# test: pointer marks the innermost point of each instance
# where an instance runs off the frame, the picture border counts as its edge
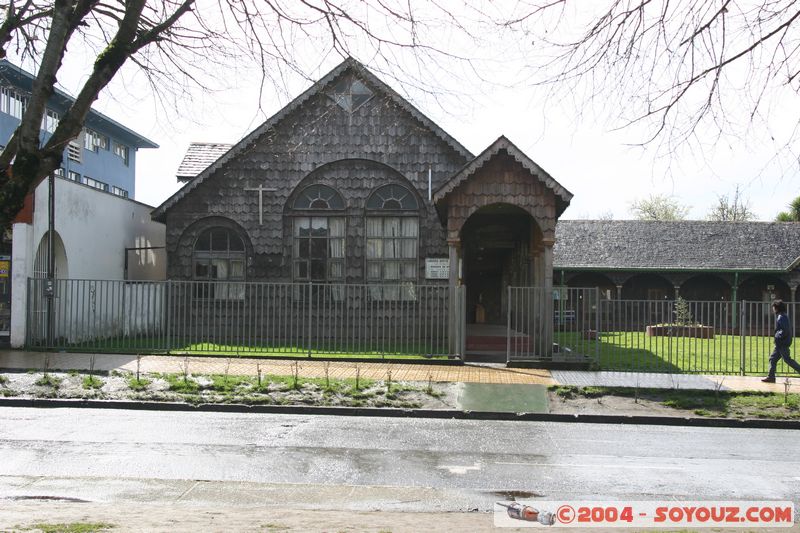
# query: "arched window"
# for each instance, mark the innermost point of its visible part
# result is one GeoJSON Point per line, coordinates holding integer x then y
{"type": "Point", "coordinates": [319, 235]}
{"type": "Point", "coordinates": [219, 255]}
{"type": "Point", "coordinates": [392, 235]}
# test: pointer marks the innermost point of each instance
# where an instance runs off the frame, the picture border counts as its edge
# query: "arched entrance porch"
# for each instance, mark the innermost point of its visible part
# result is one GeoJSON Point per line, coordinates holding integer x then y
{"type": "Point", "coordinates": [499, 246]}
{"type": "Point", "coordinates": [500, 211]}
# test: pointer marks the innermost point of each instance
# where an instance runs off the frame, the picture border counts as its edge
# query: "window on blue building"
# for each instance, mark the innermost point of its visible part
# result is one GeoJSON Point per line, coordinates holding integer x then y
{"type": "Point", "coordinates": [13, 102]}
{"type": "Point", "coordinates": [121, 151]}
{"type": "Point", "coordinates": [74, 176]}
{"type": "Point", "coordinates": [97, 184]}
{"type": "Point", "coordinates": [94, 141]}
{"type": "Point", "coordinates": [50, 121]}
{"type": "Point", "coordinates": [119, 192]}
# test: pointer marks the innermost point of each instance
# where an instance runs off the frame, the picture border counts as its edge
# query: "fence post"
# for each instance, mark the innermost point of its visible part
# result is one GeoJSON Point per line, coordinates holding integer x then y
{"type": "Point", "coordinates": [597, 327]}
{"type": "Point", "coordinates": [741, 337]}
{"type": "Point", "coordinates": [508, 328]}
{"type": "Point", "coordinates": [308, 341]}
{"type": "Point", "coordinates": [168, 311]}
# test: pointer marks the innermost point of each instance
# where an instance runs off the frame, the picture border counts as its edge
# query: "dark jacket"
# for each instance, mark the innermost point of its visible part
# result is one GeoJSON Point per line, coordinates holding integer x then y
{"type": "Point", "coordinates": [783, 331]}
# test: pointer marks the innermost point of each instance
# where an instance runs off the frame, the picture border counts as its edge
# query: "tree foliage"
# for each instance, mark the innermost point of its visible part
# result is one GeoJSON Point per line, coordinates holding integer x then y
{"type": "Point", "coordinates": [659, 207]}
{"type": "Point", "coordinates": [178, 44]}
{"type": "Point", "coordinates": [734, 209]}
{"type": "Point", "coordinates": [792, 215]}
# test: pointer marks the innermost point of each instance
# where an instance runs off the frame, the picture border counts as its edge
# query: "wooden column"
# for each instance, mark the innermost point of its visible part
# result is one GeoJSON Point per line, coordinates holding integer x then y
{"type": "Point", "coordinates": [456, 311]}
{"type": "Point", "coordinates": [547, 273]}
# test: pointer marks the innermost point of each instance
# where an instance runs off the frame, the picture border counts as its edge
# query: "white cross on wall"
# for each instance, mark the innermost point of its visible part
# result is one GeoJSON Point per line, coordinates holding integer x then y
{"type": "Point", "coordinates": [261, 190]}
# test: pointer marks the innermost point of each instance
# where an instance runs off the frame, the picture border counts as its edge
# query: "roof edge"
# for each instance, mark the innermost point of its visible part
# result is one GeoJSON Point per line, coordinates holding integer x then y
{"type": "Point", "coordinates": [271, 122]}
{"type": "Point", "coordinates": [502, 143]}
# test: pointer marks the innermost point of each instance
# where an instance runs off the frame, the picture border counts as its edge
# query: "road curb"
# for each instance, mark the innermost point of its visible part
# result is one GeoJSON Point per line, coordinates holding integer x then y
{"type": "Point", "coordinates": [403, 413]}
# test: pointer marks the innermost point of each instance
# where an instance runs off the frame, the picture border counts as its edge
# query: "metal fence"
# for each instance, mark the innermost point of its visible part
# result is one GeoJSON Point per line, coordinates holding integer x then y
{"type": "Point", "coordinates": [713, 337]}
{"type": "Point", "coordinates": [243, 318]}
{"type": "Point", "coordinates": [558, 325]}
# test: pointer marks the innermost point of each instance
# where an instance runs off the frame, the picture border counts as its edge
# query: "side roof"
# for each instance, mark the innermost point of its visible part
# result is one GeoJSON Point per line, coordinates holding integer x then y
{"type": "Point", "coordinates": [23, 79]}
{"type": "Point", "coordinates": [198, 157]}
{"type": "Point", "coordinates": [275, 119]}
{"type": "Point", "coordinates": [677, 245]}
{"type": "Point", "coordinates": [503, 144]}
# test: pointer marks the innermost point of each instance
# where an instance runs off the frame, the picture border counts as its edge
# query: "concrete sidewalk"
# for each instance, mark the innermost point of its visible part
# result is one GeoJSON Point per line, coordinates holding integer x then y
{"type": "Point", "coordinates": [467, 373]}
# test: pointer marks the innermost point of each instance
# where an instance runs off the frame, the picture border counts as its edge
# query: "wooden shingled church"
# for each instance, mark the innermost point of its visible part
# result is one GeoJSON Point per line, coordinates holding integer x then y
{"type": "Point", "coordinates": [351, 184]}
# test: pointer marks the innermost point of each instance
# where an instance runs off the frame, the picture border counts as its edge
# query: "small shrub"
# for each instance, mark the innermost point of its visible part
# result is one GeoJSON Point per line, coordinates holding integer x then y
{"type": "Point", "coordinates": [91, 382]}
{"type": "Point", "coordinates": [3, 379]}
{"type": "Point", "coordinates": [182, 384]}
{"type": "Point", "coordinates": [48, 380]}
{"type": "Point", "coordinates": [138, 384]}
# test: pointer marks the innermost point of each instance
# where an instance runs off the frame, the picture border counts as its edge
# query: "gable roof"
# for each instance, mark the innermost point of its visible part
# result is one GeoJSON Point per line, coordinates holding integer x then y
{"type": "Point", "coordinates": [502, 144]}
{"type": "Point", "coordinates": [198, 157]}
{"type": "Point", "coordinates": [676, 245]}
{"type": "Point", "coordinates": [244, 143]}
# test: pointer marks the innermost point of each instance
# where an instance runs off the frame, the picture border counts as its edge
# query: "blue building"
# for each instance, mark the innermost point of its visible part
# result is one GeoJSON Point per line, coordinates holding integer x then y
{"type": "Point", "coordinates": [104, 154]}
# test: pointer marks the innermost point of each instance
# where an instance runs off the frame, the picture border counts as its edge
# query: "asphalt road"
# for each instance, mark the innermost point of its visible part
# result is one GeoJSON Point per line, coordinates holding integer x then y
{"type": "Point", "coordinates": [96, 454]}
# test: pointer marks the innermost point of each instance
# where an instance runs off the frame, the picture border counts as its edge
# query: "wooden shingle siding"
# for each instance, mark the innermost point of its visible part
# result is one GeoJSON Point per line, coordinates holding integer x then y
{"type": "Point", "coordinates": [502, 180]}
{"type": "Point", "coordinates": [318, 142]}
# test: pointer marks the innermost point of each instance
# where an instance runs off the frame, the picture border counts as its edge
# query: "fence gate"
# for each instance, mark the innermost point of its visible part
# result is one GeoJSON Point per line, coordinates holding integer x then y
{"type": "Point", "coordinates": [558, 325]}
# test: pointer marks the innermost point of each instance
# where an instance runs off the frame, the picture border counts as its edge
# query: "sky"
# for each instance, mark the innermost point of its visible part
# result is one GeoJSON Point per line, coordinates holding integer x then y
{"type": "Point", "coordinates": [573, 142]}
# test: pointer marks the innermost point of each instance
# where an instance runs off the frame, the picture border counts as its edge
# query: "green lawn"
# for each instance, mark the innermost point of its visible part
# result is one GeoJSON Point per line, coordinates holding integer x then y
{"type": "Point", "coordinates": [637, 351]}
{"type": "Point", "coordinates": [395, 350]}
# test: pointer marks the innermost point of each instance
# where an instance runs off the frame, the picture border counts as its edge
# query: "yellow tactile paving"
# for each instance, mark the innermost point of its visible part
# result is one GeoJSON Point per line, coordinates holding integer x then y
{"type": "Point", "coordinates": [338, 369]}
{"type": "Point", "coordinates": [250, 366]}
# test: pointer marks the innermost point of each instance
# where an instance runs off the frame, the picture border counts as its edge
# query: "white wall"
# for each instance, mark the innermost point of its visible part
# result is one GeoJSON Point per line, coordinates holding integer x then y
{"type": "Point", "coordinates": [95, 228]}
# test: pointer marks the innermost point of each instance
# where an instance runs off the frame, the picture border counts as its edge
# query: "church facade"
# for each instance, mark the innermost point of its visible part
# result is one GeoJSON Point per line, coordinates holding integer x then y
{"type": "Point", "coordinates": [351, 184]}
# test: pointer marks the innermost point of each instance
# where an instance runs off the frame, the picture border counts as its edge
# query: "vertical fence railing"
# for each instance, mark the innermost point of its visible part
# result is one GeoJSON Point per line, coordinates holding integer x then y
{"type": "Point", "coordinates": [558, 325]}
{"type": "Point", "coordinates": [244, 318]}
{"type": "Point", "coordinates": [710, 337]}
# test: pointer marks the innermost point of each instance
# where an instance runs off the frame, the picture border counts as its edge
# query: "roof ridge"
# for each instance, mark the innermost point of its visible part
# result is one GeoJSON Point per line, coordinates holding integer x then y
{"type": "Point", "coordinates": [271, 122]}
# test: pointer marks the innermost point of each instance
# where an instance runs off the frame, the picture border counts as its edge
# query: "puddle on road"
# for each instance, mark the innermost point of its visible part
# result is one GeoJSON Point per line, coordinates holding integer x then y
{"type": "Point", "coordinates": [516, 494]}
{"type": "Point", "coordinates": [48, 498]}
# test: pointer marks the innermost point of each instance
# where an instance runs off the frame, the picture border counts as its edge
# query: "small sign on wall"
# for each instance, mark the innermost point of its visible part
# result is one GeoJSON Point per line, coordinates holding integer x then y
{"type": "Point", "coordinates": [5, 268]}
{"type": "Point", "coordinates": [437, 268]}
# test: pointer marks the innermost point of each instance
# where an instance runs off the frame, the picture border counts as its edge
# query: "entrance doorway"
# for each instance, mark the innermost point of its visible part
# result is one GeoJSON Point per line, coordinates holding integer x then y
{"type": "Point", "coordinates": [496, 246]}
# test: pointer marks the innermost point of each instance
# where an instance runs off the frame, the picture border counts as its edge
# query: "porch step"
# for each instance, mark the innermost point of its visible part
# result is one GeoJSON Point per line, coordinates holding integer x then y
{"type": "Point", "coordinates": [496, 343]}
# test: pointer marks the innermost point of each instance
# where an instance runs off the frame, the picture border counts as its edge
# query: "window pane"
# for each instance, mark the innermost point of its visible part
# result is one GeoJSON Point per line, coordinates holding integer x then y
{"type": "Point", "coordinates": [409, 270]}
{"type": "Point", "coordinates": [301, 270]}
{"type": "Point", "coordinates": [301, 226]}
{"type": "Point", "coordinates": [391, 248]}
{"type": "Point", "coordinates": [374, 249]}
{"type": "Point", "coordinates": [337, 248]}
{"type": "Point", "coordinates": [319, 249]}
{"type": "Point", "coordinates": [336, 271]}
{"type": "Point", "coordinates": [374, 227]}
{"type": "Point", "coordinates": [236, 243]}
{"type": "Point", "coordinates": [219, 268]}
{"type": "Point", "coordinates": [201, 270]}
{"type": "Point", "coordinates": [410, 227]}
{"type": "Point", "coordinates": [237, 269]}
{"type": "Point", "coordinates": [409, 247]}
{"type": "Point", "coordinates": [391, 227]}
{"type": "Point", "coordinates": [373, 270]}
{"type": "Point", "coordinates": [302, 248]}
{"type": "Point", "coordinates": [318, 270]}
{"type": "Point", "coordinates": [219, 240]}
{"type": "Point", "coordinates": [203, 243]}
{"type": "Point", "coordinates": [319, 227]}
{"type": "Point", "coordinates": [336, 227]}
{"type": "Point", "coordinates": [391, 270]}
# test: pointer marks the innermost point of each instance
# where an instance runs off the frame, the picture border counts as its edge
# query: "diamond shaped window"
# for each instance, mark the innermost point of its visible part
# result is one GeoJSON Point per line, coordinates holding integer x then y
{"type": "Point", "coordinates": [350, 93]}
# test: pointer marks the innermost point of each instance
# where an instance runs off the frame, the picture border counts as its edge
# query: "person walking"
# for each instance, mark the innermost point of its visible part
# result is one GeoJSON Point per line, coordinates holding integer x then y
{"type": "Point", "coordinates": [783, 339]}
